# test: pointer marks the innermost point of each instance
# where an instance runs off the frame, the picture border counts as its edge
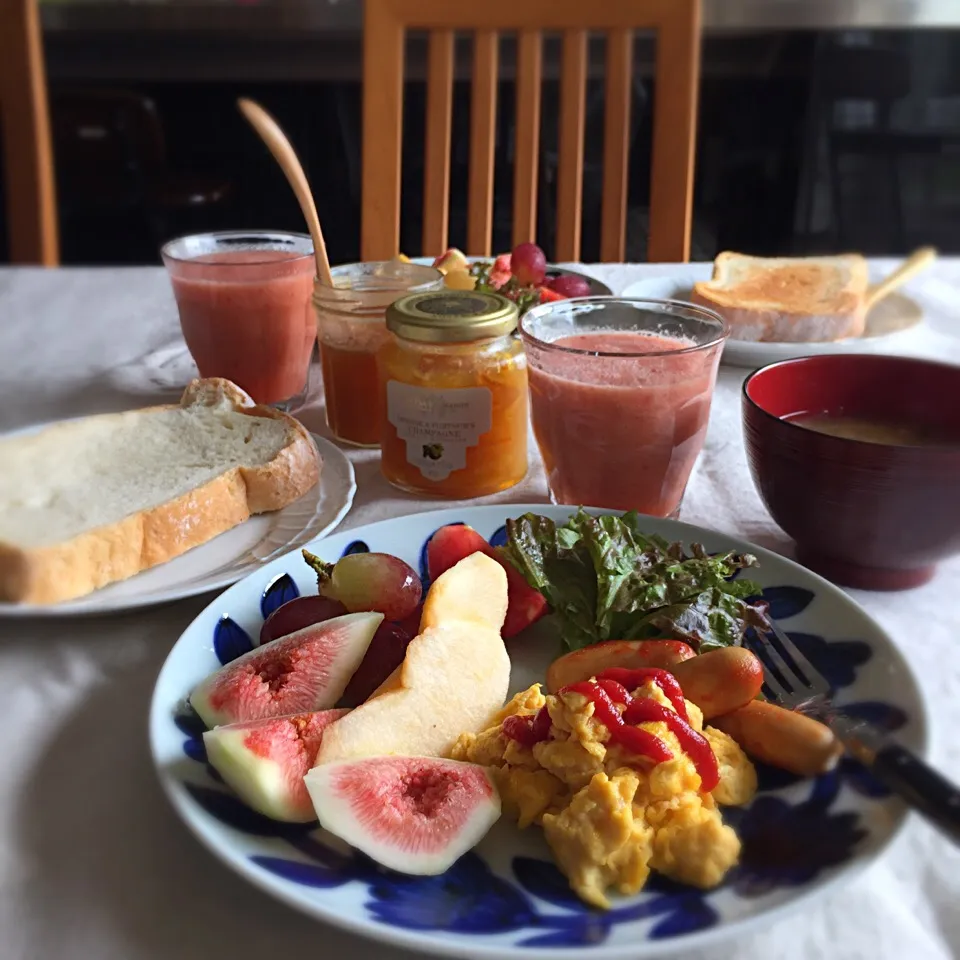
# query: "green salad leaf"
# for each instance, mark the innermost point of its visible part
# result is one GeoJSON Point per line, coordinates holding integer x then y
{"type": "Point", "coordinates": [605, 579]}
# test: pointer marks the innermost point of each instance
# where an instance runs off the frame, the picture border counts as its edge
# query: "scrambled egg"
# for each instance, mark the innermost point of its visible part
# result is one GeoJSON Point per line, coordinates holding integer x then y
{"type": "Point", "coordinates": [610, 816]}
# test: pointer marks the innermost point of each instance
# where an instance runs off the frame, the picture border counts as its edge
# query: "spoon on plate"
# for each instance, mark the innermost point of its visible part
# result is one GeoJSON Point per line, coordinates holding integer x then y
{"type": "Point", "coordinates": [917, 261]}
{"type": "Point", "coordinates": [283, 152]}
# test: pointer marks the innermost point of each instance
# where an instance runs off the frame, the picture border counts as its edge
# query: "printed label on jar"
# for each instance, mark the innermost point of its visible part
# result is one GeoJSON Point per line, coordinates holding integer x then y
{"type": "Point", "coordinates": [438, 426]}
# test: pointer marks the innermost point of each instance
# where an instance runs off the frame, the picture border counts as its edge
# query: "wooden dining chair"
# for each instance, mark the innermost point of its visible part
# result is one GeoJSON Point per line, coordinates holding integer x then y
{"type": "Point", "coordinates": [29, 190]}
{"type": "Point", "coordinates": [677, 27]}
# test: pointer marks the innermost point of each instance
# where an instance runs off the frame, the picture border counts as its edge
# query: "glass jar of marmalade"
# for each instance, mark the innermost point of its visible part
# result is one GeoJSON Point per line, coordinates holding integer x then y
{"type": "Point", "coordinates": [350, 329]}
{"type": "Point", "coordinates": [454, 377]}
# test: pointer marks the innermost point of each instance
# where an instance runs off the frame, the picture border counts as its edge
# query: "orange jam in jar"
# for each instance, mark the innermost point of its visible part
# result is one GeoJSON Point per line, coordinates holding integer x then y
{"type": "Point", "coordinates": [350, 330]}
{"type": "Point", "coordinates": [454, 380]}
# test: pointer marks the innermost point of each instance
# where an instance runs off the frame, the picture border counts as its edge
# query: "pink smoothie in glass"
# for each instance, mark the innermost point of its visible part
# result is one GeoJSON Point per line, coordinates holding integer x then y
{"type": "Point", "coordinates": [621, 432]}
{"type": "Point", "coordinates": [246, 316]}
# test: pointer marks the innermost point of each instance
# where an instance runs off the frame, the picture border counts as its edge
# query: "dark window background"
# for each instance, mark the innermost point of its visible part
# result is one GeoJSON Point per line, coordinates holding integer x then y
{"type": "Point", "coordinates": [808, 142]}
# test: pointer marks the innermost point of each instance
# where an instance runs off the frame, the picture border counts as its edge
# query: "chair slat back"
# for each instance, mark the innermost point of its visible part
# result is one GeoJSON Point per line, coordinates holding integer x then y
{"type": "Point", "coordinates": [677, 26]}
{"type": "Point", "coordinates": [573, 123]}
{"type": "Point", "coordinates": [30, 192]}
{"type": "Point", "coordinates": [436, 200]}
{"type": "Point", "coordinates": [483, 142]}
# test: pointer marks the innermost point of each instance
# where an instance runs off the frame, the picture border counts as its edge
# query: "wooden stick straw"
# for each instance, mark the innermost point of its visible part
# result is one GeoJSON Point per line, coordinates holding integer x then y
{"type": "Point", "coordinates": [283, 152]}
{"type": "Point", "coordinates": [917, 261]}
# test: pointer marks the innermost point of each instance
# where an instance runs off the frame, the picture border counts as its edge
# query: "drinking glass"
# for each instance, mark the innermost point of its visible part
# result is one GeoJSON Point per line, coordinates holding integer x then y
{"type": "Point", "coordinates": [351, 326]}
{"type": "Point", "coordinates": [244, 304]}
{"type": "Point", "coordinates": [620, 393]}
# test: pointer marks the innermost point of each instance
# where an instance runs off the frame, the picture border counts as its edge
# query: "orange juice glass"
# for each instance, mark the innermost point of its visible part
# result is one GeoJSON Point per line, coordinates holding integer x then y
{"type": "Point", "coordinates": [351, 328]}
{"type": "Point", "coordinates": [244, 304]}
{"type": "Point", "coordinates": [620, 393]}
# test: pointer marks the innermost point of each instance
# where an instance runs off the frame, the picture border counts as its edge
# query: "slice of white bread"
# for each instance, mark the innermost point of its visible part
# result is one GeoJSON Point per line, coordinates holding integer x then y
{"type": "Point", "coordinates": [788, 299]}
{"type": "Point", "coordinates": [88, 502]}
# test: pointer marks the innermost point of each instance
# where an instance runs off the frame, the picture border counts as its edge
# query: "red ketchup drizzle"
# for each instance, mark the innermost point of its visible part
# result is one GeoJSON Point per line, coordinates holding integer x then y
{"type": "Point", "coordinates": [666, 681]}
{"type": "Point", "coordinates": [528, 730]}
{"type": "Point", "coordinates": [605, 691]}
{"type": "Point", "coordinates": [636, 741]}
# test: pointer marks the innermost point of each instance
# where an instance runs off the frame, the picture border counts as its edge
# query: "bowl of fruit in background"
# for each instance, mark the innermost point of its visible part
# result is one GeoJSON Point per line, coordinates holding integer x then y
{"type": "Point", "coordinates": [523, 275]}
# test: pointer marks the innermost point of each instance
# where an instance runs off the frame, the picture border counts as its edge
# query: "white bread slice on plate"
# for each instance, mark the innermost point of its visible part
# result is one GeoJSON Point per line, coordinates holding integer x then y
{"type": "Point", "coordinates": [88, 502]}
{"type": "Point", "coordinates": [788, 299]}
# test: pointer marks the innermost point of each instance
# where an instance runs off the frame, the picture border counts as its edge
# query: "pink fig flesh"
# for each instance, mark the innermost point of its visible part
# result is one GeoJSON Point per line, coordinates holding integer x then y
{"type": "Point", "coordinates": [304, 671]}
{"type": "Point", "coordinates": [416, 815]}
{"type": "Point", "coordinates": [264, 761]}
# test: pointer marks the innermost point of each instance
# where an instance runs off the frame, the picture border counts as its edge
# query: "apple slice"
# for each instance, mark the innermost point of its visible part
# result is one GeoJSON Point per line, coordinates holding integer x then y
{"type": "Point", "coordinates": [451, 260]}
{"type": "Point", "coordinates": [453, 679]}
{"type": "Point", "coordinates": [303, 671]}
{"type": "Point", "coordinates": [452, 543]}
{"type": "Point", "coordinates": [416, 815]}
{"type": "Point", "coordinates": [475, 590]}
{"type": "Point", "coordinates": [264, 761]}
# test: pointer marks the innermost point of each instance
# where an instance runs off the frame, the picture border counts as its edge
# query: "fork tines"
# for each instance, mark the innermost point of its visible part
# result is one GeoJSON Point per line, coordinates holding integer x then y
{"type": "Point", "coordinates": [789, 677]}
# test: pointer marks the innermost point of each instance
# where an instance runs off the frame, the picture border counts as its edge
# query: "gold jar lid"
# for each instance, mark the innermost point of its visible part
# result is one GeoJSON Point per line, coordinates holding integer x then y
{"type": "Point", "coordinates": [451, 316]}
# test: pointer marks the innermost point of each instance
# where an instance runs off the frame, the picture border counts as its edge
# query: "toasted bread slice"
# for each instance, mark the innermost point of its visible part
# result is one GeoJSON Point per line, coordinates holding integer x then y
{"type": "Point", "coordinates": [788, 299]}
{"type": "Point", "coordinates": [92, 501]}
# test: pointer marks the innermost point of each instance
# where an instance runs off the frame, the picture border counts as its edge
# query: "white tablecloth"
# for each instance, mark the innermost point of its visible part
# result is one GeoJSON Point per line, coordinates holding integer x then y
{"type": "Point", "coordinates": [93, 863]}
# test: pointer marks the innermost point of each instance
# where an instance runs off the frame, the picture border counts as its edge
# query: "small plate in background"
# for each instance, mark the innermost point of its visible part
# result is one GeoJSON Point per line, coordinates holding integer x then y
{"type": "Point", "coordinates": [889, 323]}
{"type": "Point", "coordinates": [597, 287]}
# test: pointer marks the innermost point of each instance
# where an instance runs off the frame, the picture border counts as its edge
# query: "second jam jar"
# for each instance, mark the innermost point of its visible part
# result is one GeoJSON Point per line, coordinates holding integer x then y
{"type": "Point", "coordinates": [454, 380]}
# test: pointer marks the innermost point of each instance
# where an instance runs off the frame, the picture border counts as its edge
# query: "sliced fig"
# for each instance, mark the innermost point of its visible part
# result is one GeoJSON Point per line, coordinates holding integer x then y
{"type": "Point", "coordinates": [264, 761]}
{"type": "Point", "coordinates": [303, 671]}
{"type": "Point", "coordinates": [416, 815]}
{"type": "Point", "coordinates": [299, 613]}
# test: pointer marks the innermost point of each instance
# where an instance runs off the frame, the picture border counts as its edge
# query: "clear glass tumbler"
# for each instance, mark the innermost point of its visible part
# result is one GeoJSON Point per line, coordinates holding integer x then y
{"type": "Point", "coordinates": [620, 393]}
{"type": "Point", "coordinates": [351, 327]}
{"type": "Point", "coordinates": [244, 304]}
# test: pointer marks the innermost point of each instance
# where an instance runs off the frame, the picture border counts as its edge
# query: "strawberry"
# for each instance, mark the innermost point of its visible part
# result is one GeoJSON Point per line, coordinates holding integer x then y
{"type": "Point", "coordinates": [550, 296]}
{"type": "Point", "coordinates": [525, 606]}
{"type": "Point", "coordinates": [500, 271]}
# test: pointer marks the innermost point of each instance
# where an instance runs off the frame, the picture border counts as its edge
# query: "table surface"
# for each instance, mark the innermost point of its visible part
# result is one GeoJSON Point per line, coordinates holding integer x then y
{"type": "Point", "coordinates": [94, 864]}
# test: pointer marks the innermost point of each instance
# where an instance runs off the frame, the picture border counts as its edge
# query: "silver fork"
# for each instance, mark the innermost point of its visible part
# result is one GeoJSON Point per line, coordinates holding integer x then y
{"type": "Point", "coordinates": [793, 682]}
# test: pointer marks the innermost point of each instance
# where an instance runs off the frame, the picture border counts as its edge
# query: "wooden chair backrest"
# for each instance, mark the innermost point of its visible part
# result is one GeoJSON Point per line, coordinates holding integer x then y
{"type": "Point", "coordinates": [677, 25]}
{"type": "Point", "coordinates": [30, 192]}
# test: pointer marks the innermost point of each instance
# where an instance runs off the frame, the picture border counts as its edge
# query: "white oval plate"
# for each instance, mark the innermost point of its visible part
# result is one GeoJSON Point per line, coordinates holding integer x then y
{"type": "Point", "coordinates": [506, 899]}
{"type": "Point", "coordinates": [226, 558]}
{"type": "Point", "coordinates": [889, 324]}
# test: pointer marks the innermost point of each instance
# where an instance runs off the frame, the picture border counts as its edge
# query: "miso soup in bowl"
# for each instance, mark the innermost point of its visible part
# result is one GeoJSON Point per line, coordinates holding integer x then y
{"type": "Point", "coordinates": [857, 458]}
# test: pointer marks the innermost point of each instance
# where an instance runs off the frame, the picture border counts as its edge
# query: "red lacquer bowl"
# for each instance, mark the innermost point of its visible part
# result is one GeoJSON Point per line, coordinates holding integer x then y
{"type": "Point", "coordinates": [862, 514]}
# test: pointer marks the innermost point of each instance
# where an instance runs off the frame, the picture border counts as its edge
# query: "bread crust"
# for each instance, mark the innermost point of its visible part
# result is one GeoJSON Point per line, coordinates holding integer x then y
{"type": "Point", "coordinates": [779, 302]}
{"type": "Point", "coordinates": [98, 557]}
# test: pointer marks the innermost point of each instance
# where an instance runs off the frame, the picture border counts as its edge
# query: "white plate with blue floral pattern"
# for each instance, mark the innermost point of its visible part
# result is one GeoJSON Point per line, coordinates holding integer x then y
{"type": "Point", "coordinates": [506, 899]}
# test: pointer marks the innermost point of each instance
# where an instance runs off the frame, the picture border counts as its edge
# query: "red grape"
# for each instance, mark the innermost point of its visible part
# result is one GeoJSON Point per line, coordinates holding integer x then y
{"type": "Point", "coordinates": [375, 582]}
{"type": "Point", "coordinates": [570, 285]}
{"type": "Point", "coordinates": [383, 656]}
{"type": "Point", "coordinates": [297, 614]}
{"type": "Point", "coordinates": [411, 623]}
{"type": "Point", "coordinates": [528, 264]}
